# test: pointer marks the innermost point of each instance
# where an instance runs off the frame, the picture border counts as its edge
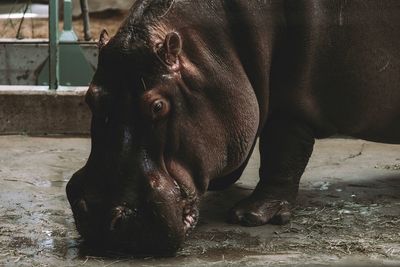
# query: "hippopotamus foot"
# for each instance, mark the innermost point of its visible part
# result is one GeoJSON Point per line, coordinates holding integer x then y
{"type": "Point", "coordinates": [253, 211]}
{"type": "Point", "coordinates": [285, 147]}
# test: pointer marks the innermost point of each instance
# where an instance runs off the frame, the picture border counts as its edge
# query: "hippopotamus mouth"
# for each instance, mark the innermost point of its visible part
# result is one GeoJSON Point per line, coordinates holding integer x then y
{"type": "Point", "coordinates": [164, 213]}
{"type": "Point", "coordinates": [190, 212]}
{"type": "Point", "coordinates": [188, 201]}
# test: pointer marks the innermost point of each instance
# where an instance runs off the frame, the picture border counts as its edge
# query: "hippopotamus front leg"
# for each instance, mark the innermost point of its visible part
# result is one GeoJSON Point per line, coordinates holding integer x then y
{"type": "Point", "coordinates": [285, 147]}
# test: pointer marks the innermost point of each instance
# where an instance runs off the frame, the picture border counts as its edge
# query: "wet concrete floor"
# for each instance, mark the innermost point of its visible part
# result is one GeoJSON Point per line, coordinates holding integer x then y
{"type": "Point", "coordinates": [348, 211]}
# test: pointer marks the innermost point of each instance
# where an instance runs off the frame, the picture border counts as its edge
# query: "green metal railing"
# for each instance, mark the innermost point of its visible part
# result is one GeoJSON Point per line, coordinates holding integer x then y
{"type": "Point", "coordinates": [54, 55]}
{"type": "Point", "coordinates": [67, 64]}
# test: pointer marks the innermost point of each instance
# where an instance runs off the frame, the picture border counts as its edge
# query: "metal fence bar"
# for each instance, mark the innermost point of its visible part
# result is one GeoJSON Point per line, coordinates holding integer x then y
{"type": "Point", "coordinates": [54, 56]}
{"type": "Point", "coordinates": [67, 15]}
{"type": "Point", "coordinates": [86, 20]}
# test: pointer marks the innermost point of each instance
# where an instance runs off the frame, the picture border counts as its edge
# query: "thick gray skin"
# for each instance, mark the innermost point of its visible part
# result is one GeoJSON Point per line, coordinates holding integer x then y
{"type": "Point", "coordinates": [335, 69]}
{"type": "Point", "coordinates": [286, 71]}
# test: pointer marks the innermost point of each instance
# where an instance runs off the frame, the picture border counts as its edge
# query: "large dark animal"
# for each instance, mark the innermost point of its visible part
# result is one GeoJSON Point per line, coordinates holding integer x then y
{"type": "Point", "coordinates": [184, 88]}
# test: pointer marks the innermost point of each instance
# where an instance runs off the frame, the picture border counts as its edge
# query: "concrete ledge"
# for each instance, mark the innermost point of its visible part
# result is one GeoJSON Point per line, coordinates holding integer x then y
{"type": "Point", "coordinates": [36, 110]}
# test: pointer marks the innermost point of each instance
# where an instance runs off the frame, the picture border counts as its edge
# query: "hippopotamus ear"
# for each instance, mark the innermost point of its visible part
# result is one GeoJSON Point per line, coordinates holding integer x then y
{"type": "Point", "coordinates": [171, 49]}
{"type": "Point", "coordinates": [104, 38]}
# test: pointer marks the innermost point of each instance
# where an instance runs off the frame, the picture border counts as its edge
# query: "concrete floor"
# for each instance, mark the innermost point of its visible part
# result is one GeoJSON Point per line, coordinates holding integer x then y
{"type": "Point", "coordinates": [348, 211]}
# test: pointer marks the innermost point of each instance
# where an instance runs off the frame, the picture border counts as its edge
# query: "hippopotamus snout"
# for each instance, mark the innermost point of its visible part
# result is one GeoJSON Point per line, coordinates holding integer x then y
{"type": "Point", "coordinates": [151, 220]}
{"type": "Point", "coordinates": [120, 216]}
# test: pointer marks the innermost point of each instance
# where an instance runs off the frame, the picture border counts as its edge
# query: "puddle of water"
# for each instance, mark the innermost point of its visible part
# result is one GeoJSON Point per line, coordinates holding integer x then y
{"type": "Point", "coordinates": [322, 186]}
{"type": "Point", "coordinates": [61, 183]}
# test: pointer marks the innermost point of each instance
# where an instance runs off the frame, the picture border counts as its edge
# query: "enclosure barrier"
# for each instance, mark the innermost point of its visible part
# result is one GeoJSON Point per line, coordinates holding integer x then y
{"type": "Point", "coordinates": [59, 60]}
{"type": "Point", "coordinates": [54, 55]}
{"type": "Point", "coordinates": [29, 68]}
{"type": "Point", "coordinates": [67, 63]}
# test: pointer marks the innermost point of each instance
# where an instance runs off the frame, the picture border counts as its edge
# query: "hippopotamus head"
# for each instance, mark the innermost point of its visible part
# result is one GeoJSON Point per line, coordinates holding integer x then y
{"type": "Point", "coordinates": [161, 130]}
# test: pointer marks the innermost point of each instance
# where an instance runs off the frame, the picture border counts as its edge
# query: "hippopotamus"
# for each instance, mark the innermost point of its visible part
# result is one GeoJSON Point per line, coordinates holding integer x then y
{"type": "Point", "coordinates": [185, 88]}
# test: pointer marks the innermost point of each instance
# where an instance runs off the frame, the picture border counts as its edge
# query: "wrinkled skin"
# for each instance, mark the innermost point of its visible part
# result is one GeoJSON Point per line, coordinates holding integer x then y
{"type": "Point", "coordinates": [184, 88]}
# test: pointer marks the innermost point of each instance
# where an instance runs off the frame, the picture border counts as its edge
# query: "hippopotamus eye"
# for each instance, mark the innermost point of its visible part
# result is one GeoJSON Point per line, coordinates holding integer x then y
{"type": "Point", "coordinates": [159, 108]}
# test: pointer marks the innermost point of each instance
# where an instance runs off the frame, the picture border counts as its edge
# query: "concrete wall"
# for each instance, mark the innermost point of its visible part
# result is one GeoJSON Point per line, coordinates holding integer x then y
{"type": "Point", "coordinates": [38, 111]}
{"type": "Point", "coordinates": [21, 62]}
{"type": "Point", "coordinates": [100, 5]}
{"type": "Point", "coordinates": [94, 5]}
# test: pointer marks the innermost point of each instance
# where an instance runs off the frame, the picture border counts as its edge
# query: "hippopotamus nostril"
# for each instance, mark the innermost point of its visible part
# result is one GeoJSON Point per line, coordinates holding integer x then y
{"type": "Point", "coordinates": [80, 206]}
{"type": "Point", "coordinates": [119, 215]}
